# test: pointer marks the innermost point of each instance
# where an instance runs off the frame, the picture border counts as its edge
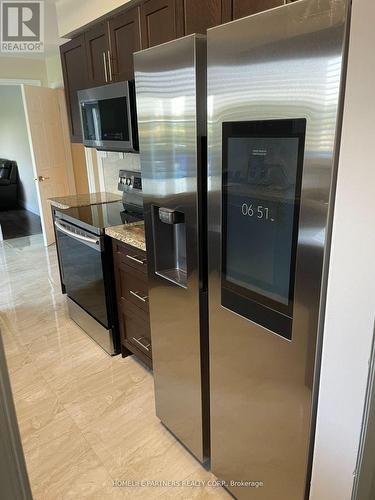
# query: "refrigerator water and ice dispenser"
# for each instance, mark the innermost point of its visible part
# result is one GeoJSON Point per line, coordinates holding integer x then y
{"type": "Point", "coordinates": [169, 231]}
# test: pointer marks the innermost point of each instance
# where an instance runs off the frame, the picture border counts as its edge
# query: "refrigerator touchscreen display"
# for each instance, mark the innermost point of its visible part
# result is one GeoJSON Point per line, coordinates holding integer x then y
{"type": "Point", "coordinates": [260, 213]}
{"type": "Point", "coordinates": [261, 191]}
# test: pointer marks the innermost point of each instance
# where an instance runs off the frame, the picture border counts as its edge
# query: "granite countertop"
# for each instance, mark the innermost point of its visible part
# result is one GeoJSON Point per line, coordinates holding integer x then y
{"type": "Point", "coordinates": [132, 234]}
{"type": "Point", "coordinates": [83, 200]}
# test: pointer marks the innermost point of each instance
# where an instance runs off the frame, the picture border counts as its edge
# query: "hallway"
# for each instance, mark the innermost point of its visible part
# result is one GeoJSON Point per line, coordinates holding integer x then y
{"type": "Point", "coordinates": [86, 419]}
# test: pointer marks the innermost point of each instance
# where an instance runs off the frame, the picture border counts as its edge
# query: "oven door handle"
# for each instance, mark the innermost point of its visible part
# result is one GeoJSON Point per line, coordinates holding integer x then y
{"type": "Point", "coordinates": [92, 242]}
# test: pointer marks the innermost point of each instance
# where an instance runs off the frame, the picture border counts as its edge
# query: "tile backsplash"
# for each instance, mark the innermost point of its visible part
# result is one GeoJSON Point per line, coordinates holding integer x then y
{"type": "Point", "coordinates": [110, 163]}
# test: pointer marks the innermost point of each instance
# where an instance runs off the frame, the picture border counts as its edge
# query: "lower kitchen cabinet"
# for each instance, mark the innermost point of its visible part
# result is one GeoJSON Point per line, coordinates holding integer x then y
{"type": "Point", "coordinates": [130, 269]}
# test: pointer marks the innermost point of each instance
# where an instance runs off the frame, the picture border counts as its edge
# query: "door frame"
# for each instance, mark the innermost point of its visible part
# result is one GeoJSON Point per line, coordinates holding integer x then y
{"type": "Point", "coordinates": [13, 473]}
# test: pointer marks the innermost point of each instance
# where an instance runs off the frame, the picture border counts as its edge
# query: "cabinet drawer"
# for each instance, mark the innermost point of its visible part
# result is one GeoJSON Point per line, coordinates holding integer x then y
{"type": "Point", "coordinates": [129, 348]}
{"type": "Point", "coordinates": [133, 286]}
{"type": "Point", "coordinates": [132, 257]}
{"type": "Point", "coordinates": [132, 310]}
{"type": "Point", "coordinates": [135, 330]}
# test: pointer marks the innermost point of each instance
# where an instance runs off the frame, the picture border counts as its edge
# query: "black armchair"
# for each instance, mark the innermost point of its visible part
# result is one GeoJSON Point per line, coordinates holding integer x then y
{"type": "Point", "coordinates": [8, 184]}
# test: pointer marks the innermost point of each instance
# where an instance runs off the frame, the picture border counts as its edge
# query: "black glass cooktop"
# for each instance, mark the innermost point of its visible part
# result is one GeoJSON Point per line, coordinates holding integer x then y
{"type": "Point", "coordinates": [97, 217]}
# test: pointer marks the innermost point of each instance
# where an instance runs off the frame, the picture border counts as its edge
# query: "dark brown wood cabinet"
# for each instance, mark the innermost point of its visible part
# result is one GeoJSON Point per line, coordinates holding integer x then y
{"type": "Point", "coordinates": [243, 8]}
{"type": "Point", "coordinates": [158, 22]}
{"type": "Point", "coordinates": [195, 16]}
{"type": "Point", "coordinates": [73, 58]}
{"type": "Point", "coordinates": [125, 39]}
{"type": "Point", "coordinates": [104, 53]}
{"type": "Point", "coordinates": [130, 266]}
{"type": "Point", "coordinates": [97, 55]}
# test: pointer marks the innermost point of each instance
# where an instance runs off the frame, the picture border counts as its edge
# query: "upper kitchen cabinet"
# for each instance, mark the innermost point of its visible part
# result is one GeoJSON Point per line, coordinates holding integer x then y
{"type": "Point", "coordinates": [73, 58]}
{"type": "Point", "coordinates": [243, 8]}
{"type": "Point", "coordinates": [195, 16]}
{"type": "Point", "coordinates": [99, 63]}
{"type": "Point", "coordinates": [125, 38]}
{"type": "Point", "coordinates": [158, 22]}
{"type": "Point", "coordinates": [104, 53]}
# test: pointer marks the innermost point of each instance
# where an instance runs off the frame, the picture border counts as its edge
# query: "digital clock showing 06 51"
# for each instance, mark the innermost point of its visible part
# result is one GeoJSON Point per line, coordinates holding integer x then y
{"type": "Point", "coordinates": [257, 211]}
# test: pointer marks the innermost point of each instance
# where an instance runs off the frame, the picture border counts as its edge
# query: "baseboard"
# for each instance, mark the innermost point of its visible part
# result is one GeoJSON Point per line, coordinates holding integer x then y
{"type": "Point", "coordinates": [28, 206]}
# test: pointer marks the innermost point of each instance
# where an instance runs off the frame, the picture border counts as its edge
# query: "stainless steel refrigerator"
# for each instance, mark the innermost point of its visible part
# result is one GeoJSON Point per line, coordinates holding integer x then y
{"type": "Point", "coordinates": [171, 106]}
{"type": "Point", "coordinates": [275, 90]}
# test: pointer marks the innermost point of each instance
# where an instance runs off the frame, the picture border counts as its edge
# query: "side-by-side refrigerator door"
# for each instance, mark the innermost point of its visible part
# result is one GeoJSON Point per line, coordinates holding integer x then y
{"type": "Point", "coordinates": [274, 83]}
{"type": "Point", "coordinates": [170, 90]}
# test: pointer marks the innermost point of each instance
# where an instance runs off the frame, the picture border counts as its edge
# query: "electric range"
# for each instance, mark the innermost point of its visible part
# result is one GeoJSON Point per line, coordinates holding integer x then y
{"type": "Point", "coordinates": [86, 263]}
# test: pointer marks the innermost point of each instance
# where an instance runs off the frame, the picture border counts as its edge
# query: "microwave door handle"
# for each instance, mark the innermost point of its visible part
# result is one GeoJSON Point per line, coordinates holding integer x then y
{"type": "Point", "coordinates": [80, 237]}
{"type": "Point", "coordinates": [96, 121]}
{"type": "Point", "coordinates": [105, 67]}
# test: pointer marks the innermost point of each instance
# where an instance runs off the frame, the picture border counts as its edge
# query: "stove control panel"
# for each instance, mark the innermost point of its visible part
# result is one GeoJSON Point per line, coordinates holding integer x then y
{"type": "Point", "coordinates": [129, 180]}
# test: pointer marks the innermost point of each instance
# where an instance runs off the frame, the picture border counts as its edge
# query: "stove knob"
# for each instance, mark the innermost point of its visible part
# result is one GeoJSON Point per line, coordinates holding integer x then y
{"type": "Point", "coordinates": [128, 181]}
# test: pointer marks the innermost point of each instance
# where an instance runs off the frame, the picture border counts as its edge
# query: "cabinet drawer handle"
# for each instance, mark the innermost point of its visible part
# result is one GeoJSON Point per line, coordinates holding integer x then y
{"type": "Point", "coordinates": [139, 261]}
{"type": "Point", "coordinates": [138, 341]}
{"type": "Point", "coordinates": [139, 297]}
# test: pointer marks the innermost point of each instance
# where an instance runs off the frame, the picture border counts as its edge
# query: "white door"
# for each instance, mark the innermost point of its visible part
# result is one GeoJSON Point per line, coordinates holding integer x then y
{"type": "Point", "coordinates": [50, 149]}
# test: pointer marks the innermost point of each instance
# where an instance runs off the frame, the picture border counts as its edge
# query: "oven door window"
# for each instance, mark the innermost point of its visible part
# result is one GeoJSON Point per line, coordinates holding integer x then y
{"type": "Point", "coordinates": [82, 270]}
{"type": "Point", "coordinates": [262, 171]}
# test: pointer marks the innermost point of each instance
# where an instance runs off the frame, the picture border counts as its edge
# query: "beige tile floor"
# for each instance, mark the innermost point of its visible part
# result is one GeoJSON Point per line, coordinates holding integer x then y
{"type": "Point", "coordinates": [86, 419]}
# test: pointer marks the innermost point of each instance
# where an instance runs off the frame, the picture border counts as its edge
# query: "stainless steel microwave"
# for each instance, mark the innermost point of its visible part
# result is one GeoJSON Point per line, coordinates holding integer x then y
{"type": "Point", "coordinates": [109, 118]}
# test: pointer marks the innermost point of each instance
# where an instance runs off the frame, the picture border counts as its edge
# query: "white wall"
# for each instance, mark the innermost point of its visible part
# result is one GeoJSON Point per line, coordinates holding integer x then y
{"type": "Point", "coordinates": [52, 59]}
{"type": "Point", "coordinates": [351, 288]}
{"type": "Point", "coordinates": [14, 143]}
{"type": "Point", "coordinates": [23, 68]}
{"type": "Point", "coordinates": [44, 67]}
{"type": "Point", "coordinates": [54, 70]}
{"type": "Point", "coordinates": [72, 14]}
